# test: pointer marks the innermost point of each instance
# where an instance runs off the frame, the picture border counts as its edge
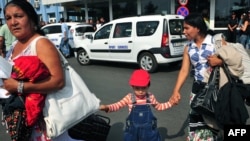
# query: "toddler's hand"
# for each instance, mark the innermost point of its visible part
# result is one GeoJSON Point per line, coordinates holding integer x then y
{"type": "Point", "coordinates": [104, 108]}
{"type": "Point", "coordinates": [171, 103]}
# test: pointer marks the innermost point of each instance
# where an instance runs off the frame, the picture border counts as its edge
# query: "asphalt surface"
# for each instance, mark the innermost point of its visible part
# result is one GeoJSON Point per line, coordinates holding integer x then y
{"type": "Point", "coordinates": [111, 85]}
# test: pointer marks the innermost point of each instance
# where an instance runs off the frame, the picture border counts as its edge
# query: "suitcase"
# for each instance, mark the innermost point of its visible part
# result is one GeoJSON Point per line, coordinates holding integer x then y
{"type": "Point", "coordinates": [93, 128]}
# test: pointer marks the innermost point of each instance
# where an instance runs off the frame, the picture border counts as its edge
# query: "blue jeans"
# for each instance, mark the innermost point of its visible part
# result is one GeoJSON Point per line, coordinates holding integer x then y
{"type": "Point", "coordinates": [141, 125]}
{"type": "Point", "coordinates": [244, 40]}
{"type": "Point", "coordinates": [64, 47]}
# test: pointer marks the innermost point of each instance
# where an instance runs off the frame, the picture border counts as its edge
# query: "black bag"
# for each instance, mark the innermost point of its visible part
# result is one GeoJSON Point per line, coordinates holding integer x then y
{"type": "Point", "coordinates": [204, 101]}
{"type": "Point", "coordinates": [16, 123]}
{"type": "Point", "coordinates": [93, 128]}
{"type": "Point", "coordinates": [230, 107]}
{"type": "Point", "coordinates": [15, 118]}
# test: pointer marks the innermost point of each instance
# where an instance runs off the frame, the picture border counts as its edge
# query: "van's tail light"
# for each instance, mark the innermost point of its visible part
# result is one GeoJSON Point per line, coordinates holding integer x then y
{"type": "Point", "coordinates": [165, 40]}
{"type": "Point", "coordinates": [165, 45]}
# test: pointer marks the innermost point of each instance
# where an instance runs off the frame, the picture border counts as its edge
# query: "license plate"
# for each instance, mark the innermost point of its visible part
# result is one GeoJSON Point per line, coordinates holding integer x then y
{"type": "Point", "coordinates": [178, 50]}
{"type": "Point", "coordinates": [177, 44]}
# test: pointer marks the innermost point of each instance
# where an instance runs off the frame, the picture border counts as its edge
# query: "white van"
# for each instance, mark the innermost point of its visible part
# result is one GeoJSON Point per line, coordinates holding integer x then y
{"type": "Point", "coordinates": [54, 33]}
{"type": "Point", "coordinates": [145, 40]}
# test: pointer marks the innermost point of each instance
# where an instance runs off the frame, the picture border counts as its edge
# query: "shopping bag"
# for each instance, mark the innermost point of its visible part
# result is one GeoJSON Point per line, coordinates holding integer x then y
{"type": "Point", "coordinates": [204, 101]}
{"type": "Point", "coordinates": [93, 128]}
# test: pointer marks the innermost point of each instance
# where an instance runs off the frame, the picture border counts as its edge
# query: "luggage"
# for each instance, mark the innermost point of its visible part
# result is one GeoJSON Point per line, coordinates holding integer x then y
{"type": "Point", "coordinates": [93, 128]}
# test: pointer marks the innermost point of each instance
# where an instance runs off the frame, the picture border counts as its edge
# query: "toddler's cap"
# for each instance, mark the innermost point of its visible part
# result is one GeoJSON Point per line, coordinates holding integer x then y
{"type": "Point", "coordinates": [139, 78]}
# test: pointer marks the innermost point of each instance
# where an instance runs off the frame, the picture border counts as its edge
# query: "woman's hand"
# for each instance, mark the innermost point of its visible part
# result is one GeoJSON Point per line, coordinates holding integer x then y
{"type": "Point", "coordinates": [175, 98]}
{"type": "Point", "coordinates": [214, 60]}
{"type": "Point", "coordinates": [10, 85]}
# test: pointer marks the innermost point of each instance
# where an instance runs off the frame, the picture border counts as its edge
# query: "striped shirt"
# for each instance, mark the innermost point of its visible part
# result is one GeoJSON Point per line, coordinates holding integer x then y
{"type": "Point", "coordinates": [127, 101]}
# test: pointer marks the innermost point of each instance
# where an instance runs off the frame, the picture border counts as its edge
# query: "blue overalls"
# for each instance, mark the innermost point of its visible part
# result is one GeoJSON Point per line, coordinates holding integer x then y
{"type": "Point", "coordinates": [141, 124]}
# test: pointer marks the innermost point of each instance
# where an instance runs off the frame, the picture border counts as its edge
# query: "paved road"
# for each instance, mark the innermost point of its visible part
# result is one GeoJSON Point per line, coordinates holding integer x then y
{"type": "Point", "coordinates": [109, 81]}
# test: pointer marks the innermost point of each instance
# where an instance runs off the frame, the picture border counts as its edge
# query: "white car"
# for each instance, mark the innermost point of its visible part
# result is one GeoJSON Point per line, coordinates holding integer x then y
{"type": "Point", "coordinates": [145, 40]}
{"type": "Point", "coordinates": [77, 30]}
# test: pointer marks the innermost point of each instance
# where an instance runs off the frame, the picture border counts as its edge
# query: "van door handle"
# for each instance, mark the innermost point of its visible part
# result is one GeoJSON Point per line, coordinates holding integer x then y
{"type": "Point", "coordinates": [130, 41]}
{"type": "Point", "coordinates": [106, 43]}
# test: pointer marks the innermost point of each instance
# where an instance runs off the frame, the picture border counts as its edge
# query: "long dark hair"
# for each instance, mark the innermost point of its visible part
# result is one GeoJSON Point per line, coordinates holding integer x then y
{"type": "Point", "coordinates": [197, 20]}
{"type": "Point", "coordinates": [29, 10]}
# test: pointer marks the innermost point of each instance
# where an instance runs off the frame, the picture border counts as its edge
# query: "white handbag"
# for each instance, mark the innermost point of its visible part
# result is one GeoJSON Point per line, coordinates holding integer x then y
{"type": "Point", "coordinates": [66, 107]}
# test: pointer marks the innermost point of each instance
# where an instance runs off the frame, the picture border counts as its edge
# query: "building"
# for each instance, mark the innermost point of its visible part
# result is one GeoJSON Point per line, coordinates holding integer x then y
{"type": "Point", "coordinates": [216, 11]}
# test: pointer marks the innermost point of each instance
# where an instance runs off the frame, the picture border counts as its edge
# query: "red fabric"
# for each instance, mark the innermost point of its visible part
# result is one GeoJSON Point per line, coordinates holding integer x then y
{"type": "Point", "coordinates": [31, 68]}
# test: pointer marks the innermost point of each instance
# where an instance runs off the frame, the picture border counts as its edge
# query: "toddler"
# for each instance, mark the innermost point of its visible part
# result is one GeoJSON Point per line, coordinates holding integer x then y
{"type": "Point", "coordinates": [141, 124]}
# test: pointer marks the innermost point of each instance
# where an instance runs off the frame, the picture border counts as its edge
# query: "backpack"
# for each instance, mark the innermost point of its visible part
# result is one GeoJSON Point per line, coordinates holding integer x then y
{"type": "Point", "coordinates": [217, 39]}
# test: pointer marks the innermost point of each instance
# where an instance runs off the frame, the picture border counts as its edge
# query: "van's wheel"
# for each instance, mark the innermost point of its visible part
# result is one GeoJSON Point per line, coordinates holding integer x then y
{"type": "Point", "coordinates": [148, 62]}
{"type": "Point", "coordinates": [83, 57]}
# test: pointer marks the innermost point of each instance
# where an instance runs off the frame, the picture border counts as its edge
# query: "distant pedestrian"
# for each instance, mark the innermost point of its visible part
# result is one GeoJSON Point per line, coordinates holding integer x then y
{"type": "Point", "coordinates": [141, 124]}
{"type": "Point", "coordinates": [91, 21]}
{"type": "Point", "coordinates": [102, 21]}
{"type": "Point", "coordinates": [42, 23]}
{"type": "Point", "coordinates": [232, 28]}
{"type": "Point", "coordinates": [240, 24]}
{"type": "Point", "coordinates": [64, 45]}
{"type": "Point", "coordinates": [245, 30]}
{"type": "Point", "coordinates": [6, 40]}
{"type": "Point", "coordinates": [98, 24]}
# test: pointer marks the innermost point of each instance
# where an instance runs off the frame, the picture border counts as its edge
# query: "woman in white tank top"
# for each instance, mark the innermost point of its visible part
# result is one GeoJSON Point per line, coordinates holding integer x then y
{"type": "Point", "coordinates": [23, 23]}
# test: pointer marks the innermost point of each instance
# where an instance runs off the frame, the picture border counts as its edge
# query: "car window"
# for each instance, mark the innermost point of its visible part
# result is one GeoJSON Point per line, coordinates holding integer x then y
{"type": "Point", "coordinates": [175, 26]}
{"type": "Point", "coordinates": [79, 31]}
{"type": "Point", "coordinates": [90, 29]}
{"type": "Point", "coordinates": [84, 29]}
{"type": "Point", "coordinates": [122, 30]}
{"type": "Point", "coordinates": [52, 29]}
{"type": "Point", "coordinates": [104, 32]}
{"type": "Point", "coordinates": [146, 28]}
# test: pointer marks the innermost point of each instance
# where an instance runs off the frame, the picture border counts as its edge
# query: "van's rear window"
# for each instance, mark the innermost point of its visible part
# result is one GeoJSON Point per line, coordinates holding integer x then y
{"type": "Point", "coordinates": [176, 26]}
{"type": "Point", "coordinates": [146, 28]}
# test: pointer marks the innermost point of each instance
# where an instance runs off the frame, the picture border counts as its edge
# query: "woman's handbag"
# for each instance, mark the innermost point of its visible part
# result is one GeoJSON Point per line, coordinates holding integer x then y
{"type": "Point", "coordinates": [204, 101]}
{"type": "Point", "coordinates": [93, 128]}
{"type": "Point", "coordinates": [230, 107]}
{"type": "Point", "coordinates": [66, 107]}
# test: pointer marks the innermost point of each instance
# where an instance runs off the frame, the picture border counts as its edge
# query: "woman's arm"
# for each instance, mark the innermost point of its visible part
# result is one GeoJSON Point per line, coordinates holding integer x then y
{"type": "Point", "coordinates": [48, 54]}
{"type": "Point", "coordinates": [183, 73]}
{"type": "Point", "coordinates": [244, 27]}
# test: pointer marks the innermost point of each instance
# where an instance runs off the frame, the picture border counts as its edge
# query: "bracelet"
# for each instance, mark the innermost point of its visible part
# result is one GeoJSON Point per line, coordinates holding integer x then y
{"type": "Point", "coordinates": [20, 87]}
